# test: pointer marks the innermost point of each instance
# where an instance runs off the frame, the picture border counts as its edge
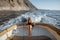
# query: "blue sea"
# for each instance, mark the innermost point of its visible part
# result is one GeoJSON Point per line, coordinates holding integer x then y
{"type": "Point", "coordinates": [45, 16]}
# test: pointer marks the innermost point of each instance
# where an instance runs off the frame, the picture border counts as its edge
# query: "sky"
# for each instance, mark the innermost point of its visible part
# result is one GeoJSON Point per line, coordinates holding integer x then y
{"type": "Point", "coordinates": [46, 4]}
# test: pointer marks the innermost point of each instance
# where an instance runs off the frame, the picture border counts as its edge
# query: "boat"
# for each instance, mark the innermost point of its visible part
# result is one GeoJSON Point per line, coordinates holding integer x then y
{"type": "Point", "coordinates": [13, 32]}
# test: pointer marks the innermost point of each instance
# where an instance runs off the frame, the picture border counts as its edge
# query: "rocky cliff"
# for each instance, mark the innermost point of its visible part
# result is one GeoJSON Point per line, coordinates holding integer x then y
{"type": "Point", "coordinates": [16, 5]}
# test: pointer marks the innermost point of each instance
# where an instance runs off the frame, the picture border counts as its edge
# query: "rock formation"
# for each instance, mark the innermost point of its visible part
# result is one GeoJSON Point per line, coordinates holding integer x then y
{"type": "Point", "coordinates": [16, 5]}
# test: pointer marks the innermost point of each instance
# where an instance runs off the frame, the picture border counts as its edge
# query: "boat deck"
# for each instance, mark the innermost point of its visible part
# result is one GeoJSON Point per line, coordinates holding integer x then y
{"type": "Point", "coordinates": [31, 38]}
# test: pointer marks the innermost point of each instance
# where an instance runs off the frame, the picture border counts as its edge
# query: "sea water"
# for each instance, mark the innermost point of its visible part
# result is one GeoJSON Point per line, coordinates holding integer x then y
{"type": "Point", "coordinates": [45, 16]}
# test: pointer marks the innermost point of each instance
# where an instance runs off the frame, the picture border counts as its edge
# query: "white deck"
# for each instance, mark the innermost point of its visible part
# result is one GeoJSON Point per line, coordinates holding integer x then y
{"type": "Point", "coordinates": [37, 31]}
